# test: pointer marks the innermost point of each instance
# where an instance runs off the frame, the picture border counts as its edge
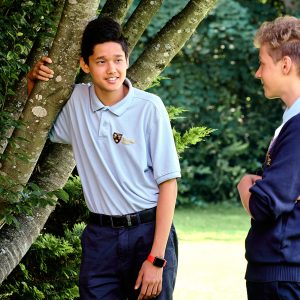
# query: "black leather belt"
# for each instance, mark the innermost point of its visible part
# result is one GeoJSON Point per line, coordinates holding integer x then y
{"type": "Point", "coordinates": [129, 220]}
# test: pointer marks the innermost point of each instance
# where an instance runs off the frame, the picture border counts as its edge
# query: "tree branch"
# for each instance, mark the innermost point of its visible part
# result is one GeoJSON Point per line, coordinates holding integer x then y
{"type": "Point", "coordinates": [116, 9]}
{"type": "Point", "coordinates": [15, 242]}
{"type": "Point", "coordinates": [168, 42]}
{"type": "Point", "coordinates": [139, 20]}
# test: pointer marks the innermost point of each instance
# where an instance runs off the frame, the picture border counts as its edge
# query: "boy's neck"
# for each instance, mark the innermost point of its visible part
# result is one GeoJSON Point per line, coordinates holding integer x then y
{"type": "Point", "coordinates": [109, 98]}
{"type": "Point", "coordinates": [291, 94]}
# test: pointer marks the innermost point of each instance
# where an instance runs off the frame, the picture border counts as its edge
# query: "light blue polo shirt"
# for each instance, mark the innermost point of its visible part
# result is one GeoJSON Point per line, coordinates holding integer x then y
{"type": "Point", "coordinates": [123, 152]}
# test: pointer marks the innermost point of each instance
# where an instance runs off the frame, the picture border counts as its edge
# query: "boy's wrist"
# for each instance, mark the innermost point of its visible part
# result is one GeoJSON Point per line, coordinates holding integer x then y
{"type": "Point", "coordinates": [30, 77]}
{"type": "Point", "coordinates": [157, 261]}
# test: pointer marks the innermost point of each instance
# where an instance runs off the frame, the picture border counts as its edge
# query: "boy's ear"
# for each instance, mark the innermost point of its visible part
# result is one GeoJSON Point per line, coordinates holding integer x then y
{"type": "Point", "coordinates": [127, 61]}
{"type": "Point", "coordinates": [286, 64]}
{"type": "Point", "coordinates": [85, 68]}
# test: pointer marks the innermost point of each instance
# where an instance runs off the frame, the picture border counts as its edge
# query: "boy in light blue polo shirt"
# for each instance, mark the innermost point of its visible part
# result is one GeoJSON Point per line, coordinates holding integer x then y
{"type": "Point", "coordinates": [126, 158]}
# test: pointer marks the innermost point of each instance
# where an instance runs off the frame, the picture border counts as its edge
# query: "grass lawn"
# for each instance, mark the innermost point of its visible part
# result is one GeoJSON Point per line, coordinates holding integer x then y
{"type": "Point", "coordinates": [211, 252]}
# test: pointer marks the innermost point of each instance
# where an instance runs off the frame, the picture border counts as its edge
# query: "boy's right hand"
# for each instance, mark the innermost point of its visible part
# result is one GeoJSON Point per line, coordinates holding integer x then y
{"type": "Point", "coordinates": [40, 71]}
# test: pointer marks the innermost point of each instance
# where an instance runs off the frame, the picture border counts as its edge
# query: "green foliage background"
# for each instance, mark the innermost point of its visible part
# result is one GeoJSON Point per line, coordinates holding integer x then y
{"type": "Point", "coordinates": [21, 23]}
{"type": "Point", "coordinates": [213, 78]}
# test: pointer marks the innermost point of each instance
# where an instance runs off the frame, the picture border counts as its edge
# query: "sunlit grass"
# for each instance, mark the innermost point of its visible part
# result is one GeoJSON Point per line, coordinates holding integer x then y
{"type": "Point", "coordinates": [211, 252]}
{"type": "Point", "coordinates": [217, 222]}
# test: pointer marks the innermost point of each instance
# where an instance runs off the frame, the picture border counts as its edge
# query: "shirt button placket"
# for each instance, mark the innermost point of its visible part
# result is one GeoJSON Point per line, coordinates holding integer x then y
{"type": "Point", "coordinates": [103, 122]}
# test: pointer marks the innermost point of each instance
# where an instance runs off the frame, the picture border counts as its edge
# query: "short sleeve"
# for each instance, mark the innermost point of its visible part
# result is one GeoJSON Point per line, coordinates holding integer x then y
{"type": "Point", "coordinates": [61, 129]}
{"type": "Point", "coordinates": [163, 152]}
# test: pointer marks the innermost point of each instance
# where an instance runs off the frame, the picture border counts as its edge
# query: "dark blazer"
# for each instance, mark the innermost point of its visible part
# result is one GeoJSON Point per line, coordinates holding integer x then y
{"type": "Point", "coordinates": [273, 242]}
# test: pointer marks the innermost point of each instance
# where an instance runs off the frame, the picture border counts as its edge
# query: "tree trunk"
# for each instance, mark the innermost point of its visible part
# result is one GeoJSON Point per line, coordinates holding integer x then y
{"type": "Point", "coordinates": [168, 42]}
{"type": "Point", "coordinates": [15, 242]}
{"type": "Point", "coordinates": [47, 98]}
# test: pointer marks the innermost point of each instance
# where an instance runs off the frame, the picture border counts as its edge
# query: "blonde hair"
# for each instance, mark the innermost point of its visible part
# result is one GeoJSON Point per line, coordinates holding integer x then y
{"type": "Point", "coordinates": [282, 37]}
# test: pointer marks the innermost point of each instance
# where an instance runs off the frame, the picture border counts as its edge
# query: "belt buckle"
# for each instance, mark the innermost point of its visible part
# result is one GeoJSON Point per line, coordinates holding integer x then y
{"type": "Point", "coordinates": [132, 220]}
{"type": "Point", "coordinates": [126, 221]}
{"type": "Point", "coordinates": [117, 219]}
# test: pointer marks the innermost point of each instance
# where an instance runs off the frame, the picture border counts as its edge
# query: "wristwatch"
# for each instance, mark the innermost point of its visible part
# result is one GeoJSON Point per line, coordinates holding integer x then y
{"type": "Point", "coordinates": [157, 261]}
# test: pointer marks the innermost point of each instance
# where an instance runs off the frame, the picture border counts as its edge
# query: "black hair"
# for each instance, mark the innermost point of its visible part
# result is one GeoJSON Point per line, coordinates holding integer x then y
{"type": "Point", "coordinates": [98, 31]}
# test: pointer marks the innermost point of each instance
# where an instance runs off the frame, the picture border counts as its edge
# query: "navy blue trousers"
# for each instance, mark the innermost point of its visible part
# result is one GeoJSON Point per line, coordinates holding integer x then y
{"type": "Point", "coordinates": [112, 258]}
{"type": "Point", "coordinates": [276, 290]}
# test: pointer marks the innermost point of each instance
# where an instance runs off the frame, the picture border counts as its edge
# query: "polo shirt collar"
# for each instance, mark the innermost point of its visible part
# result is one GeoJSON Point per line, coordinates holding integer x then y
{"type": "Point", "coordinates": [118, 108]}
{"type": "Point", "coordinates": [291, 111]}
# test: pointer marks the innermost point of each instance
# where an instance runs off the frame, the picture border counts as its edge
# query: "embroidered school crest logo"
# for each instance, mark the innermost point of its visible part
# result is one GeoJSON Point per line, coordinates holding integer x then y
{"type": "Point", "coordinates": [268, 159]}
{"type": "Point", "coordinates": [117, 137]}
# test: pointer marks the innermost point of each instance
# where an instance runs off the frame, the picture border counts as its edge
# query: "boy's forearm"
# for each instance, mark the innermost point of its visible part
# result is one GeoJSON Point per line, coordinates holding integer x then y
{"type": "Point", "coordinates": [164, 216]}
{"type": "Point", "coordinates": [244, 190]}
{"type": "Point", "coordinates": [30, 85]}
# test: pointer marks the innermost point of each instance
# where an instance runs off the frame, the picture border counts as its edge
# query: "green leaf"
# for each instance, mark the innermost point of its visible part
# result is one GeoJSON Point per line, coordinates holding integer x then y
{"type": "Point", "coordinates": [62, 194]}
{"type": "Point", "coordinates": [10, 55]}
